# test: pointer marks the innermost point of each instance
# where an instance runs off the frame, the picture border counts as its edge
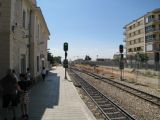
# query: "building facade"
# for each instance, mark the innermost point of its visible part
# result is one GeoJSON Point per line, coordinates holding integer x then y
{"type": "Point", "coordinates": [22, 29]}
{"type": "Point", "coordinates": [143, 35]}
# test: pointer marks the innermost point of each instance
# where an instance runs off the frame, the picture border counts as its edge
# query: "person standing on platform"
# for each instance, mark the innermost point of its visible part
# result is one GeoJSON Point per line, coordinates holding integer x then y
{"type": "Point", "coordinates": [24, 97]}
{"type": "Point", "coordinates": [9, 88]}
{"type": "Point", "coordinates": [28, 75]}
{"type": "Point", "coordinates": [43, 73]}
{"type": "Point", "coordinates": [14, 74]}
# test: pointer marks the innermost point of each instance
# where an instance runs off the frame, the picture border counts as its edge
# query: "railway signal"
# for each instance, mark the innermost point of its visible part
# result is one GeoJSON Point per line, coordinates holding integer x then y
{"type": "Point", "coordinates": [156, 57]}
{"type": "Point", "coordinates": [121, 48]}
{"type": "Point", "coordinates": [121, 63]}
{"type": "Point", "coordinates": [121, 56]}
{"type": "Point", "coordinates": [65, 46]}
{"type": "Point", "coordinates": [65, 62]}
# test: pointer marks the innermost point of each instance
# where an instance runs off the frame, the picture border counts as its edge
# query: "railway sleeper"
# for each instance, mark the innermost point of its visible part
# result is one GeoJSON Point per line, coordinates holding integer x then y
{"type": "Point", "coordinates": [99, 99]}
{"type": "Point", "coordinates": [110, 109]}
{"type": "Point", "coordinates": [120, 118]}
{"type": "Point", "coordinates": [114, 114]}
{"type": "Point", "coordinates": [101, 102]}
{"type": "Point", "coordinates": [153, 100]}
{"type": "Point", "coordinates": [96, 96]}
{"type": "Point", "coordinates": [106, 106]}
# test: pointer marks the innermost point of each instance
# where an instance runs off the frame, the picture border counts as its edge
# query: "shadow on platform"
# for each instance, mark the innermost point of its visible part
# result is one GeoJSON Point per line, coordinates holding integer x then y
{"type": "Point", "coordinates": [44, 96]}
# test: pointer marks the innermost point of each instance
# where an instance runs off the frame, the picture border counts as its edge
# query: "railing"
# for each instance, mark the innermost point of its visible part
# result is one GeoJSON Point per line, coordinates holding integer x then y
{"type": "Point", "coordinates": [152, 40]}
{"type": "Point", "coordinates": [153, 30]}
{"type": "Point", "coordinates": [154, 20]}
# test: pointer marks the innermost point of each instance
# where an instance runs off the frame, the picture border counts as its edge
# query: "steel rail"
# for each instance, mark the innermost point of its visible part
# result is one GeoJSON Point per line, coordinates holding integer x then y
{"type": "Point", "coordinates": [109, 109]}
{"type": "Point", "coordinates": [141, 94]}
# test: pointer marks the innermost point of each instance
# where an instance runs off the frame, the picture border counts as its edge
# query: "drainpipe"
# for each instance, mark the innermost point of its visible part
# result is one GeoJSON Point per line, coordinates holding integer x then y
{"type": "Point", "coordinates": [29, 48]}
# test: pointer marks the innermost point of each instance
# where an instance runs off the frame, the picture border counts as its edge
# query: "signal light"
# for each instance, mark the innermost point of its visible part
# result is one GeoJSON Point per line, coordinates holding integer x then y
{"type": "Point", "coordinates": [65, 46]}
{"type": "Point", "coordinates": [121, 48]}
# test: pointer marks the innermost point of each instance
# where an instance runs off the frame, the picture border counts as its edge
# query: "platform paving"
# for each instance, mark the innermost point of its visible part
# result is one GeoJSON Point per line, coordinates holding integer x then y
{"type": "Point", "coordinates": [56, 99]}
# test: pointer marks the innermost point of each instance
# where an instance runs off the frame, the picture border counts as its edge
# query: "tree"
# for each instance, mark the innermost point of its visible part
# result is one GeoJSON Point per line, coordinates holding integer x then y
{"type": "Point", "coordinates": [142, 58]}
{"type": "Point", "coordinates": [50, 58]}
{"type": "Point", "coordinates": [53, 60]}
{"type": "Point", "coordinates": [57, 60]}
{"type": "Point", "coordinates": [87, 58]}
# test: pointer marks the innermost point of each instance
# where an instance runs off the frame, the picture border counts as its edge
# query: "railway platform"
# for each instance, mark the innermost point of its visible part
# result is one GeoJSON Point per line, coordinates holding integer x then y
{"type": "Point", "coordinates": [55, 99]}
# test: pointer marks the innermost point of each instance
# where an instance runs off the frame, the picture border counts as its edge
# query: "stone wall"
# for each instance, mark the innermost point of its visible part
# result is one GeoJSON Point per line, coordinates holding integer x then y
{"type": "Point", "coordinates": [4, 36]}
{"type": "Point", "coordinates": [19, 41]}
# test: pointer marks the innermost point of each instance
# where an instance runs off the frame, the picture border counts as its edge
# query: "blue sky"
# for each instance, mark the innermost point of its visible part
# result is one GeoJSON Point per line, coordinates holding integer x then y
{"type": "Point", "coordinates": [91, 27]}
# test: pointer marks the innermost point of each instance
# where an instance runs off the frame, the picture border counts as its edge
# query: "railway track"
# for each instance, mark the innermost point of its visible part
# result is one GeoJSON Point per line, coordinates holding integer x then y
{"type": "Point", "coordinates": [141, 94]}
{"type": "Point", "coordinates": [109, 109]}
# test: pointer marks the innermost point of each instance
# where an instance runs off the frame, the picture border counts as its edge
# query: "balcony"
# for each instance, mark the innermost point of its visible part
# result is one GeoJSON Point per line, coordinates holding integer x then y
{"type": "Point", "coordinates": [153, 20]}
{"type": "Point", "coordinates": [153, 30]}
{"type": "Point", "coordinates": [152, 40]}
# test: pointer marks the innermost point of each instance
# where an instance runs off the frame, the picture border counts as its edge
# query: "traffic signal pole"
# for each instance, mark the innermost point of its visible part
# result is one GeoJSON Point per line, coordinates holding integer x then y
{"type": "Point", "coordinates": [65, 62]}
{"type": "Point", "coordinates": [65, 67]}
{"type": "Point", "coordinates": [121, 64]}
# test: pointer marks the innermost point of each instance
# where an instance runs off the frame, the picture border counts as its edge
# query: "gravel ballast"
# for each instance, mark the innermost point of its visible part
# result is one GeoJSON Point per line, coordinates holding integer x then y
{"type": "Point", "coordinates": [137, 107]}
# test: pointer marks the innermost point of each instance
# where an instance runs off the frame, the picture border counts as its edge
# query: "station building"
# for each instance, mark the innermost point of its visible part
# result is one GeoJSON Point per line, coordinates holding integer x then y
{"type": "Point", "coordinates": [23, 37]}
{"type": "Point", "coordinates": [143, 35]}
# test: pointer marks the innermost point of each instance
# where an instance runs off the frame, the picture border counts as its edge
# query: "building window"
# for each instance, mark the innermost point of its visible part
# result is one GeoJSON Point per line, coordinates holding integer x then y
{"type": "Point", "coordinates": [24, 18]}
{"type": "Point", "coordinates": [134, 41]}
{"type": "Point", "coordinates": [130, 27]}
{"type": "Point", "coordinates": [150, 38]}
{"type": "Point", "coordinates": [23, 63]}
{"type": "Point", "coordinates": [151, 18]}
{"type": "Point", "coordinates": [138, 48]}
{"type": "Point", "coordinates": [150, 28]}
{"type": "Point", "coordinates": [130, 50]}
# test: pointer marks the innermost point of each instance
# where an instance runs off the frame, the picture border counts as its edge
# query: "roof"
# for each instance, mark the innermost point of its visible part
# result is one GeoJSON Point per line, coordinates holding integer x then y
{"type": "Point", "coordinates": [153, 11]}
{"type": "Point", "coordinates": [41, 15]}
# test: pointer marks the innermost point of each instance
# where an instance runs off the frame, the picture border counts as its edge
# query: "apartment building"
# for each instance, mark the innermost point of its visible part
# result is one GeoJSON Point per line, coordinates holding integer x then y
{"type": "Point", "coordinates": [152, 33]}
{"type": "Point", "coordinates": [143, 35]}
{"type": "Point", "coordinates": [23, 37]}
{"type": "Point", "coordinates": [135, 37]}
